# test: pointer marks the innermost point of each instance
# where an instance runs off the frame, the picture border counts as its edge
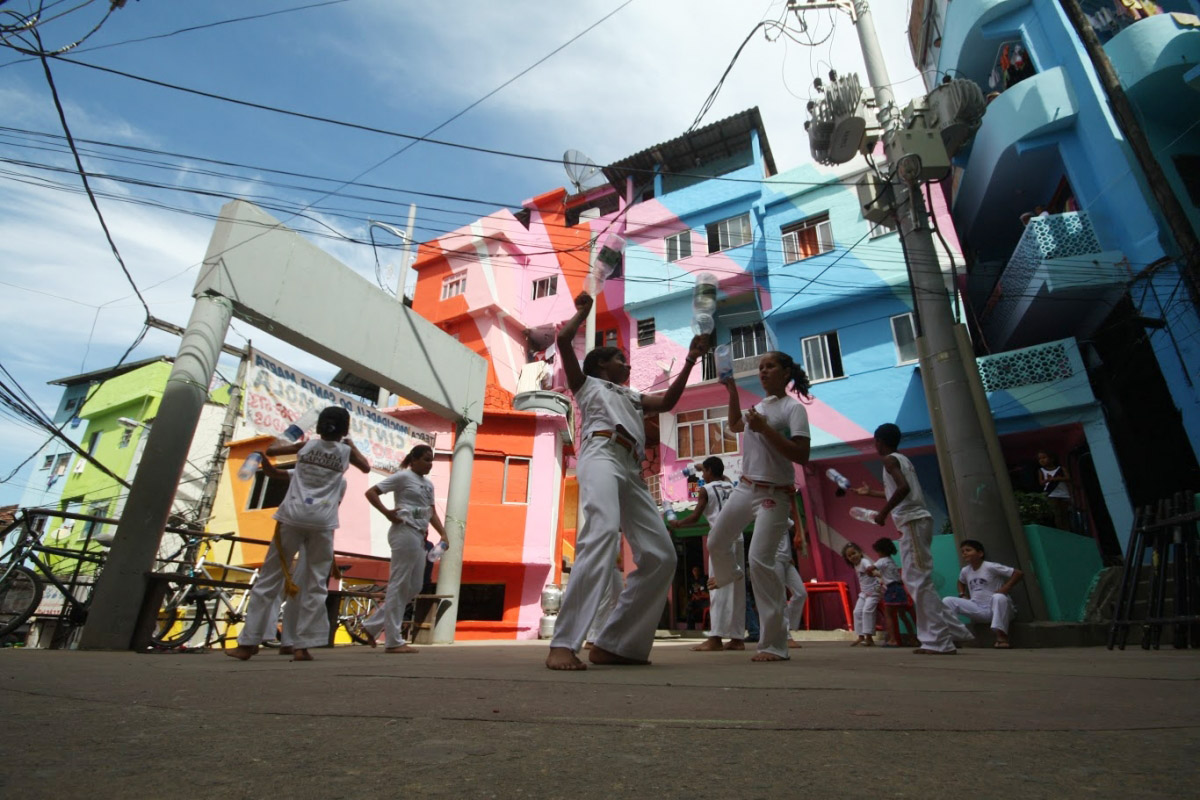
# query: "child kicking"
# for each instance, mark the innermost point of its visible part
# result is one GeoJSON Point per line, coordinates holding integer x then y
{"type": "Point", "coordinates": [983, 591]}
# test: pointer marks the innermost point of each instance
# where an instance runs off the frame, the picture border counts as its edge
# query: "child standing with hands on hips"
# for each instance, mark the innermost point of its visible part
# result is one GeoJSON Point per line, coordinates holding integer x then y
{"type": "Point", "coordinates": [411, 514]}
{"type": "Point", "coordinates": [937, 629]}
{"type": "Point", "coordinates": [613, 499]}
{"type": "Point", "coordinates": [306, 519]}
{"type": "Point", "coordinates": [775, 439]}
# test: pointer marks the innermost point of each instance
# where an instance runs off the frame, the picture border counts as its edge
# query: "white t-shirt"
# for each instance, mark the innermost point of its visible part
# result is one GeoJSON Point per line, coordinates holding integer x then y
{"type": "Point", "coordinates": [888, 571]}
{"type": "Point", "coordinates": [982, 583]}
{"type": "Point", "coordinates": [605, 406]}
{"type": "Point", "coordinates": [718, 492]}
{"type": "Point", "coordinates": [412, 497]}
{"type": "Point", "coordinates": [761, 461]}
{"type": "Point", "coordinates": [317, 486]}
{"type": "Point", "coordinates": [1060, 489]}
{"type": "Point", "coordinates": [913, 506]}
{"type": "Point", "coordinates": [867, 583]}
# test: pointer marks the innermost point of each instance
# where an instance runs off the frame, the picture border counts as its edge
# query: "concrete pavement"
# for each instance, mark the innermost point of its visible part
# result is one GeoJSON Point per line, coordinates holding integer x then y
{"type": "Point", "coordinates": [487, 720]}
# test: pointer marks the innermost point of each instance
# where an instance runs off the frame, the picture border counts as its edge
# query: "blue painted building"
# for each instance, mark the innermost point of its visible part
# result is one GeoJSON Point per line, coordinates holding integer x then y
{"type": "Point", "coordinates": [1062, 236]}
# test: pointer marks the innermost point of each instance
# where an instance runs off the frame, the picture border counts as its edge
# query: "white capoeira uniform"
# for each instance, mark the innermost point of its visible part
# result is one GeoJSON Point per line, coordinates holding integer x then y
{"type": "Point", "coordinates": [412, 498]}
{"type": "Point", "coordinates": [785, 565]}
{"type": "Point", "coordinates": [764, 495]}
{"type": "Point", "coordinates": [614, 499]}
{"type": "Point", "coordinates": [869, 594]}
{"type": "Point", "coordinates": [307, 518]}
{"type": "Point", "coordinates": [727, 603]}
{"type": "Point", "coordinates": [608, 601]}
{"type": "Point", "coordinates": [937, 628]}
{"type": "Point", "coordinates": [985, 604]}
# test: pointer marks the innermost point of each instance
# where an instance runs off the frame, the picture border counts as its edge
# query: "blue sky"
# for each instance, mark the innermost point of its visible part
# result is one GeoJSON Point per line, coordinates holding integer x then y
{"type": "Point", "coordinates": [637, 78]}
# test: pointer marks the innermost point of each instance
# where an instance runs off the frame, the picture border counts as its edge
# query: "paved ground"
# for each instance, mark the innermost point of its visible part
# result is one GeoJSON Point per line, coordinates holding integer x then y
{"type": "Point", "coordinates": [487, 720]}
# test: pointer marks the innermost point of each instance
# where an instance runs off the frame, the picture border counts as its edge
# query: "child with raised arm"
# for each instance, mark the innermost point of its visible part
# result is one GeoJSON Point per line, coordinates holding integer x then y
{"type": "Point", "coordinates": [775, 439]}
{"type": "Point", "coordinates": [306, 518]}
{"type": "Point", "coordinates": [983, 591]}
{"type": "Point", "coordinates": [727, 604]}
{"type": "Point", "coordinates": [869, 594]}
{"type": "Point", "coordinates": [411, 514]}
{"type": "Point", "coordinates": [937, 629]}
{"type": "Point", "coordinates": [614, 498]}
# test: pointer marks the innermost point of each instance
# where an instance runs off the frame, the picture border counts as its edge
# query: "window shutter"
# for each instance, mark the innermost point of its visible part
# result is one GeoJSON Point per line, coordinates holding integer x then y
{"type": "Point", "coordinates": [824, 237]}
{"type": "Point", "coordinates": [791, 247]}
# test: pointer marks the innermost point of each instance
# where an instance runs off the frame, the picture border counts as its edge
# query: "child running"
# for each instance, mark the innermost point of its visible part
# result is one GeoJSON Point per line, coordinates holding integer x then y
{"type": "Point", "coordinates": [869, 592]}
{"type": "Point", "coordinates": [411, 514]}
{"type": "Point", "coordinates": [727, 604]}
{"type": "Point", "coordinates": [937, 628]}
{"type": "Point", "coordinates": [983, 588]}
{"type": "Point", "coordinates": [306, 519]}
{"type": "Point", "coordinates": [896, 605]}
{"type": "Point", "coordinates": [775, 439]}
{"type": "Point", "coordinates": [613, 498]}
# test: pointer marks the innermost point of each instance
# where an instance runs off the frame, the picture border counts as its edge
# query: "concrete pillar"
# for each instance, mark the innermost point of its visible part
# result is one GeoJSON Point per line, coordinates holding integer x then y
{"type": "Point", "coordinates": [450, 568]}
{"type": "Point", "coordinates": [118, 594]}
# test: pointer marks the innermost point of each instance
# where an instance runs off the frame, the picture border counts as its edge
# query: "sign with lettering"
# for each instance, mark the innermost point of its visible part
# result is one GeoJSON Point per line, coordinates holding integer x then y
{"type": "Point", "coordinates": [276, 395]}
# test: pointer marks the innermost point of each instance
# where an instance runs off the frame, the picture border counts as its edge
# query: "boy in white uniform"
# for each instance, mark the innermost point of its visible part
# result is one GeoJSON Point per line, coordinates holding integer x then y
{"type": "Point", "coordinates": [613, 498]}
{"type": "Point", "coordinates": [726, 604]}
{"type": "Point", "coordinates": [937, 628]}
{"type": "Point", "coordinates": [983, 591]}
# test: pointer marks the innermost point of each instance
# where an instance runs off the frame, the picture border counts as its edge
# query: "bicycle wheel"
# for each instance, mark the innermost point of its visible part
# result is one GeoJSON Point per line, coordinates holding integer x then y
{"type": "Point", "coordinates": [20, 593]}
{"type": "Point", "coordinates": [177, 622]}
{"type": "Point", "coordinates": [353, 613]}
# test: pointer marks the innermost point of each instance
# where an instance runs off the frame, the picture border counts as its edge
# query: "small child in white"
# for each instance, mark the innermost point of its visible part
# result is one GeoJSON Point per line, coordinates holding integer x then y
{"type": "Point", "coordinates": [869, 594]}
{"type": "Point", "coordinates": [987, 584]}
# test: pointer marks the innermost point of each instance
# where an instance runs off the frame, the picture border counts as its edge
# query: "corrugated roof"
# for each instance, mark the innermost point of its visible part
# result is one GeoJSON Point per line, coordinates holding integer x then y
{"type": "Point", "coordinates": [712, 142]}
{"type": "Point", "coordinates": [108, 372]}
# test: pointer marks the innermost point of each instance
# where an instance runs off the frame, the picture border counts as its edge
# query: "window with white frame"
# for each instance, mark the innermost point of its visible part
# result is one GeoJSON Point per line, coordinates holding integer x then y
{"type": "Point", "coordinates": [49, 462]}
{"type": "Point", "coordinates": [703, 433]}
{"type": "Point", "coordinates": [516, 480]}
{"type": "Point", "coordinates": [679, 245]}
{"type": "Point", "coordinates": [729, 233]}
{"type": "Point", "coordinates": [645, 332]}
{"type": "Point", "coordinates": [60, 468]}
{"type": "Point", "coordinates": [822, 357]}
{"type": "Point", "coordinates": [454, 285]}
{"type": "Point", "coordinates": [545, 287]}
{"type": "Point", "coordinates": [807, 238]}
{"type": "Point", "coordinates": [904, 334]}
{"type": "Point", "coordinates": [268, 492]}
{"type": "Point", "coordinates": [748, 341]}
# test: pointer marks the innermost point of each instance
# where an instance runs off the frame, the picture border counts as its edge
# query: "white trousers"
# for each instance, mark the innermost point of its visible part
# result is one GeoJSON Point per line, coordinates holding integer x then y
{"type": "Point", "coordinates": [864, 613]}
{"type": "Point", "coordinates": [727, 604]}
{"type": "Point", "coordinates": [406, 575]}
{"type": "Point", "coordinates": [614, 500]}
{"type": "Point", "coordinates": [608, 601]}
{"type": "Point", "coordinates": [770, 509]}
{"type": "Point", "coordinates": [795, 584]}
{"type": "Point", "coordinates": [305, 620]}
{"type": "Point", "coordinates": [998, 610]}
{"type": "Point", "coordinates": [937, 628]}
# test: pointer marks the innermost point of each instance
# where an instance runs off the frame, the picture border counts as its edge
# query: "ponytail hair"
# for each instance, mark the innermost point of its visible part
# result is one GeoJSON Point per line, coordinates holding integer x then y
{"type": "Point", "coordinates": [797, 377]}
{"type": "Point", "coordinates": [417, 452]}
{"type": "Point", "coordinates": [333, 423]}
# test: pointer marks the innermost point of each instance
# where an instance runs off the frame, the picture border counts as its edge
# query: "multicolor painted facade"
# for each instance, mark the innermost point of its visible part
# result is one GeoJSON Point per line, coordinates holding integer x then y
{"type": "Point", "coordinates": [1102, 266]}
{"type": "Point", "coordinates": [798, 269]}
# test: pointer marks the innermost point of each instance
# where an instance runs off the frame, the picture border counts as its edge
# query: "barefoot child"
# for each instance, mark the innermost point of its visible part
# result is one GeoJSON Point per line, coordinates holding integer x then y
{"type": "Point", "coordinates": [937, 629]}
{"type": "Point", "coordinates": [306, 518]}
{"type": "Point", "coordinates": [614, 498]}
{"type": "Point", "coordinates": [411, 514]}
{"type": "Point", "coordinates": [775, 439]}
{"type": "Point", "coordinates": [983, 591]}
{"type": "Point", "coordinates": [727, 604]}
{"type": "Point", "coordinates": [896, 605]}
{"type": "Point", "coordinates": [869, 592]}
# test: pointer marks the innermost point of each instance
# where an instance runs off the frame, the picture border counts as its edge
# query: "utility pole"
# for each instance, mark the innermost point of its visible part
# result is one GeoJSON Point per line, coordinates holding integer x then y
{"type": "Point", "coordinates": [978, 491]}
{"type": "Point", "coordinates": [405, 263]}
{"type": "Point", "coordinates": [1172, 210]}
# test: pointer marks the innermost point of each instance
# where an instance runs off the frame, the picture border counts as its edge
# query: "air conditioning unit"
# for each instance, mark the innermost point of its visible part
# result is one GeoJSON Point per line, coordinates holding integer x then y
{"type": "Point", "coordinates": [79, 467]}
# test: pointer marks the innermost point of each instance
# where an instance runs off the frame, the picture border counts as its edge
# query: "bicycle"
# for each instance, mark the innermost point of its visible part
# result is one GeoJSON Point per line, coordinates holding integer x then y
{"type": "Point", "coordinates": [354, 609]}
{"type": "Point", "coordinates": [190, 606]}
{"type": "Point", "coordinates": [22, 587]}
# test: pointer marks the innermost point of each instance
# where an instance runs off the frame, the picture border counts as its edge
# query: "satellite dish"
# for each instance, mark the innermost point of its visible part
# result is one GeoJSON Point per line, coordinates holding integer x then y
{"type": "Point", "coordinates": [579, 168]}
